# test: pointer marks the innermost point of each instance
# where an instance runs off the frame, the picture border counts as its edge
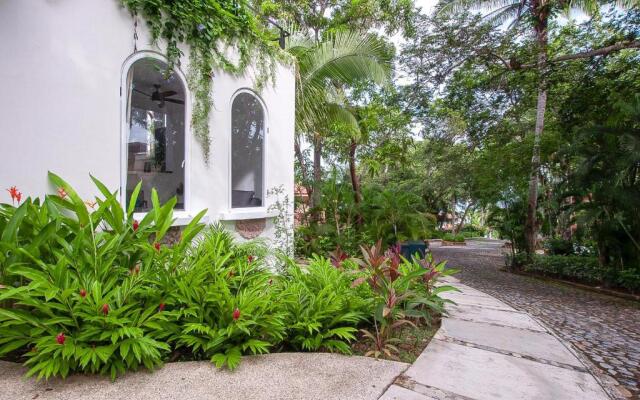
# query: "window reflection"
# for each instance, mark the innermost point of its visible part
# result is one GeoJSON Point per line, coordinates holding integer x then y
{"type": "Point", "coordinates": [156, 140]}
{"type": "Point", "coordinates": [247, 143]}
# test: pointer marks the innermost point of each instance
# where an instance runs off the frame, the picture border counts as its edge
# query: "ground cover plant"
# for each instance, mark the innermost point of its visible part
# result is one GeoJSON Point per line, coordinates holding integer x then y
{"type": "Point", "coordinates": [87, 288]}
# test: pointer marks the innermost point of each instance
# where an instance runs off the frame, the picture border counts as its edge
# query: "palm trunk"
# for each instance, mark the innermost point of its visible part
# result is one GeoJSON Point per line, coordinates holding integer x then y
{"type": "Point", "coordinates": [531, 228]}
{"type": "Point", "coordinates": [355, 183]}
{"type": "Point", "coordinates": [316, 194]}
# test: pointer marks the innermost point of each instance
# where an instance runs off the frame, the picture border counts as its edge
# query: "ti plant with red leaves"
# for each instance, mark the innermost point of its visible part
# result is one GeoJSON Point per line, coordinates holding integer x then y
{"type": "Point", "coordinates": [401, 291]}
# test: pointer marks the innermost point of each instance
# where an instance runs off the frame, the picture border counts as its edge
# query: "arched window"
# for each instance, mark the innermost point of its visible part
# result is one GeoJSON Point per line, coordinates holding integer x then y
{"type": "Point", "coordinates": [155, 121]}
{"type": "Point", "coordinates": [247, 154]}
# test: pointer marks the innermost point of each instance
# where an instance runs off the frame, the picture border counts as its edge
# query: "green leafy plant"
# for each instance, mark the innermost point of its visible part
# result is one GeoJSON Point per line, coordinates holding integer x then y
{"type": "Point", "coordinates": [83, 299]}
{"type": "Point", "coordinates": [403, 294]}
{"type": "Point", "coordinates": [449, 237]}
{"type": "Point", "coordinates": [323, 310]}
{"type": "Point", "coordinates": [223, 301]}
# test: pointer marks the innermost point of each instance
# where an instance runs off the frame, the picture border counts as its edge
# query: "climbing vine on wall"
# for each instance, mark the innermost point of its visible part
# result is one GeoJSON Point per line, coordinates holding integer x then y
{"type": "Point", "coordinates": [210, 28]}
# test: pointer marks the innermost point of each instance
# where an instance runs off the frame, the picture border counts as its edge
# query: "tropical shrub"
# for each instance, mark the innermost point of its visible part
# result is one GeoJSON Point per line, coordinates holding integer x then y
{"type": "Point", "coordinates": [84, 287]}
{"type": "Point", "coordinates": [581, 269]}
{"type": "Point", "coordinates": [322, 308]}
{"type": "Point", "coordinates": [403, 293]}
{"type": "Point", "coordinates": [558, 246]}
{"type": "Point", "coordinates": [221, 302]}
{"type": "Point", "coordinates": [80, 282]}
{"type": "Point", "coordinates": [449, 237]}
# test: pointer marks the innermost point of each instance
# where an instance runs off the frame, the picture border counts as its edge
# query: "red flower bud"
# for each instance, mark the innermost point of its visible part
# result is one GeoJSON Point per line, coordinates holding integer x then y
{"type": "Point", "coordinates": [105, 309]}
{"type": "Point", "coordinates": [83, 293]}
{"type": "Point", "coordinates": [236, 314]}
{"type": "Point", "coordinates": [62, 193]}
{"type": "Point", "coordinates": [161, 307]}
{"type": "Point", "coordinates": [157, 246]}
{"type": "Point", "coordinates": [60, 338]}
{"type": "Point", "coordinates": [250, 259]}
{"type": "Point", "coordinates": [136, 225]}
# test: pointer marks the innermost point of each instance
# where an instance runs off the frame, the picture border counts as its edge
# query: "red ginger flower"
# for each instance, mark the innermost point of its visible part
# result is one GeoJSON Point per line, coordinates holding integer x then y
{"type": "Point", "coordinates": [136, 225]}
{"type": "Point", "coordinates": [250, 259]}
{"type": "Point", "coordinates": [161, 307]}
{"type": "Point", "coordinates": [60, 338]}
{"type": "Point", "coordinates": [236, 314]}
{"type": "Point", "coordinates": [105, 309]}
{"type": "Point", "coordinates": [157, 246]}
{"type": "Point", "coordinates": [62, 193]}
{"type": "Point", "coordinates": [83, 293]}
{"type": "Point", "coordinates": [15, 194]}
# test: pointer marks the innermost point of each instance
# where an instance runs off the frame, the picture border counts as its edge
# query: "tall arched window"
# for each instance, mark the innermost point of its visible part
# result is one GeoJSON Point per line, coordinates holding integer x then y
{"type": "Point", "coordinates": [155, 120]}
{"type": "Point", "coordinates": [247, 154]}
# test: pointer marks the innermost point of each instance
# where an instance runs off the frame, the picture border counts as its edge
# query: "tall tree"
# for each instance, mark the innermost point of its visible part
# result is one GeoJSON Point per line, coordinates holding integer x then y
{"type": "Point", "coordinates": [537, 15]}
{"type": "Point", "coordinates": [323, 69]}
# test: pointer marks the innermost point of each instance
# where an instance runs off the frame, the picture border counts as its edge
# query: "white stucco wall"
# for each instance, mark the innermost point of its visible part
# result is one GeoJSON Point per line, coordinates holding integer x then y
{"type": "Point", "coordinates": [60, 106]}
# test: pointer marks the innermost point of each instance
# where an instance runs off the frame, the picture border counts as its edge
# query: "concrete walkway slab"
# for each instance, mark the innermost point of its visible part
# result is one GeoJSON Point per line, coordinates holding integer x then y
{"type": "Point", "coordinates": [484, 375]}
{"type": "Point", "coordinates": [537, 345]}
{"type": "Point", "coordinates": [268, 377]}
{"type": "Point", "coordinates": [472, 300]}
{"type": "Point", "coordinates": [487, 350]}
{"type": "Point", "coordinates": [492, 316]}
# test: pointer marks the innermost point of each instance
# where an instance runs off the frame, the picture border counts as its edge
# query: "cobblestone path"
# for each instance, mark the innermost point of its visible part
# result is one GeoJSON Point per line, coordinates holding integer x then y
{"type": "Point", "coordinates": [605, 329]}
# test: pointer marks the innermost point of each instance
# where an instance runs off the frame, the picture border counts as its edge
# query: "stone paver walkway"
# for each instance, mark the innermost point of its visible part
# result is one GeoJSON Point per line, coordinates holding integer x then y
{"type": "Point", "coordinates": [485, 350]}
{"type": "Point", "coordinates": [605, 329]}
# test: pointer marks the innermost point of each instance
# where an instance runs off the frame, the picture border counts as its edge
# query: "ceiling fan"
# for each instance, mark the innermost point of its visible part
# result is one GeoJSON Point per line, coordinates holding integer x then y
{"type": "Point", "coordinates": [161, 97]}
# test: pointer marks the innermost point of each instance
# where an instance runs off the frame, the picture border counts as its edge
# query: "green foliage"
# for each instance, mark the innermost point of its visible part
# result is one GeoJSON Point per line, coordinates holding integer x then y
{"type": "Point", "coordinates": [85, 288]}
{"type": "Point", "coordinates": [322, 308]}
{"type": "Point", "coordinates": [580, 269]}
{"type": "Point", "coordinates": [82, 289]}
{"type": "Point", "coordinates": [221, 301]}
{"type": "Point", "coordinates": [209, 27]}
{"type": "Point", "coordinates": [559, 247]}
{"type": "Point", "coordinates": [457, 238]}
{"type": "Point", "coordinates": [403, 292]}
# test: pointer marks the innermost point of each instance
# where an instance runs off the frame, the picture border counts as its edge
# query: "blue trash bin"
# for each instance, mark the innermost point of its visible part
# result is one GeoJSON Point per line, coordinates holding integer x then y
{"type": "Point", "coordinates": [409, 249]}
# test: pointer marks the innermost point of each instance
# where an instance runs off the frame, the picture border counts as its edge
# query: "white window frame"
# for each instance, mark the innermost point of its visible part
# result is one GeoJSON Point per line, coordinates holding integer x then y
{"type": "Point", "coordinates": [182, 216]}
{"type": "Point", "coordinates": [248, 212]}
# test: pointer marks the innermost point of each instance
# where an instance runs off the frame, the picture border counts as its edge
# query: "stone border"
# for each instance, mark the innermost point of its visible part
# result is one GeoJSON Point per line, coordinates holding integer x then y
{"type": "Point", "coordinates": [448, 243]}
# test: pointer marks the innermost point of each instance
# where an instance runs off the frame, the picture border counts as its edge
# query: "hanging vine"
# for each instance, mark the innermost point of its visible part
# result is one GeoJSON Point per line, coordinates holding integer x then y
{"type": "Point", "coordinates": [210, 28]}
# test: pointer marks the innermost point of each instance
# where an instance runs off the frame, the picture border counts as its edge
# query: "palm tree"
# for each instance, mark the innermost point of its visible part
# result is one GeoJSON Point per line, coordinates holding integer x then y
{"type": "Point", "coordinates": [323, 70]}
{"type": "Point", "coordinates": [537, 14]}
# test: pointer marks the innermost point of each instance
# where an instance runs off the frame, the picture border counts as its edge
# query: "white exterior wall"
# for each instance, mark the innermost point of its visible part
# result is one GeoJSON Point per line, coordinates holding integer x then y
{"type": "Point", "coordinates": [61, 71]}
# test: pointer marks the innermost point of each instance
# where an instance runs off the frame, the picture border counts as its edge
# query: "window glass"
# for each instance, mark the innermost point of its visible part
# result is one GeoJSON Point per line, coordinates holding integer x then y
{"type": "Point", "coordinates": [247, 142]}
{"type": "Point", "coordinates": [156, 139]}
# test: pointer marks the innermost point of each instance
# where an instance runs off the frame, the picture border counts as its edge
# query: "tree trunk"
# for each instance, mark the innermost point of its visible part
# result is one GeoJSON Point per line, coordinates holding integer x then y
{"type": "Point", "coordinates": [531, 228]}
{"type": "Point", "coordinates": [464, 216]}
{"type": "Point", "coordinates": [316, 194]}
{"type": "Point", "coordinates": [355, 183]}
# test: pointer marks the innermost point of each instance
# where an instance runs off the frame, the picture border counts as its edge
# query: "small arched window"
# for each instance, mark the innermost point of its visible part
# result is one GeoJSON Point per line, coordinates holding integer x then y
{"type": "Point", "coordinates": [247, 154]}
{"type": "Point", "coordinates": [155, 120]}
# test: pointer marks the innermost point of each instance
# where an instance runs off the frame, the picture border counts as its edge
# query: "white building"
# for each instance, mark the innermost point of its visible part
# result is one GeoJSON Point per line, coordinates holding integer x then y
{"type": "Point", "coordinates": [81, 96]}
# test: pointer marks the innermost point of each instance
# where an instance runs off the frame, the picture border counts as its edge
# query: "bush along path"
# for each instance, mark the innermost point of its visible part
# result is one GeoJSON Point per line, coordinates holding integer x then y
{"type": "Point", "coordinates": [485, 350]}
{"type": "Point", "coordinates": [604, 329]}
{"type": "Point", "coordinates": [87, 288]}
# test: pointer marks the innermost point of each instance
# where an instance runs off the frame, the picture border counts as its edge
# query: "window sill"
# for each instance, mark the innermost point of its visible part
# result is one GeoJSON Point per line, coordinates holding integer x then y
{"type": "Point", "coordinates": [247, 213]}
{"type": "Point", "coordinates": [180, 218]}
